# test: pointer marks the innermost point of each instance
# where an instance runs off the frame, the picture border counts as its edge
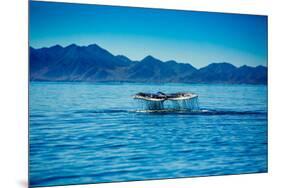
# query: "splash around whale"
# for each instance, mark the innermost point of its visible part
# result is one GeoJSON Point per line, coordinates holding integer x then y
{"type": "Point", "coordinates": [155, 102]}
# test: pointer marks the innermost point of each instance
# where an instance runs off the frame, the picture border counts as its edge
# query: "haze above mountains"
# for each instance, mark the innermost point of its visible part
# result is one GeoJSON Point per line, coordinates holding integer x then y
{"type": "Point", "coordinates": [95, 64]}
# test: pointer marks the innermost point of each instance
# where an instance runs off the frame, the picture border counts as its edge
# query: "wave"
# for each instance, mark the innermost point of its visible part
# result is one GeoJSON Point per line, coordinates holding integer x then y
{"type": "Point", "coordinates": [203, 112]}
{"type": "Point", "coordinates": [170, 111]}
{"type": "Point", "coordinates": [100, 111]}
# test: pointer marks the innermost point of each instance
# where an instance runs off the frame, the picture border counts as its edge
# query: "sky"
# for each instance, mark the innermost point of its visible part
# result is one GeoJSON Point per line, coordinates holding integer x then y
{"type": "Point", "coordinates": [198, 38]}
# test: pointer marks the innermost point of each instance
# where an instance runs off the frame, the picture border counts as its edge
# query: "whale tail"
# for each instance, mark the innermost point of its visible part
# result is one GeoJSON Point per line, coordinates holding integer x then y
{"type": "Point", "coordinates": [173, 101]}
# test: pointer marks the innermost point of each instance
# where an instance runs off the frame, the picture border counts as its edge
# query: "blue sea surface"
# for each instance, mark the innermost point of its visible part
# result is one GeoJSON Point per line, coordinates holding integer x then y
{"type": "Point", "coordinates": [92, 132]}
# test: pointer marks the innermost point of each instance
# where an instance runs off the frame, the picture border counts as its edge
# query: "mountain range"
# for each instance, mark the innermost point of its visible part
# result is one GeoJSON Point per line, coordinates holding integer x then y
{"type": "Point", "coordinates": [94, 64]}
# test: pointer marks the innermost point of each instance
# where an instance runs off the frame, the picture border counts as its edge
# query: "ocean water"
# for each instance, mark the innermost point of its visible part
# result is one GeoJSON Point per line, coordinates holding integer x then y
{"type": "Point", "coordinates": [92, 132]}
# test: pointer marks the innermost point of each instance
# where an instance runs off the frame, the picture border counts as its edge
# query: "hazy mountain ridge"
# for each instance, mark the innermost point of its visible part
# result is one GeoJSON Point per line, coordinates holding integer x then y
{"type": "Point", "coordinates": [93, 63]}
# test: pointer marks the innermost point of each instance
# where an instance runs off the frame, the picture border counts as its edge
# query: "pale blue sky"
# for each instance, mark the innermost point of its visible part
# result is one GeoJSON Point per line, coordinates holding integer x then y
{"type": "Point", "coordinates": [199, 38]}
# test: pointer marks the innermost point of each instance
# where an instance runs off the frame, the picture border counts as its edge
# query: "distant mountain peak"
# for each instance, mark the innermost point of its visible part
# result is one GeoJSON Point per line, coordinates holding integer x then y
{"type": "Point", "coordinates": [72, 46]}
{"type": "Point", "coordinates": [244, 66]}
{"type": "Point", "coordinates": [171, 61]}
{"type": "Point", "coordinates": [149, 58]}
{"type": "Point", "coordinates": [222, 63]}
{"type": "Point", "coordinates": [93, 46]}
{"type": "Point", "coordinates": [261, 66]}
{"type": "Point", "coordinates": [125, 58]}
{"type": "Point", "coordinates": [56, 46]}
